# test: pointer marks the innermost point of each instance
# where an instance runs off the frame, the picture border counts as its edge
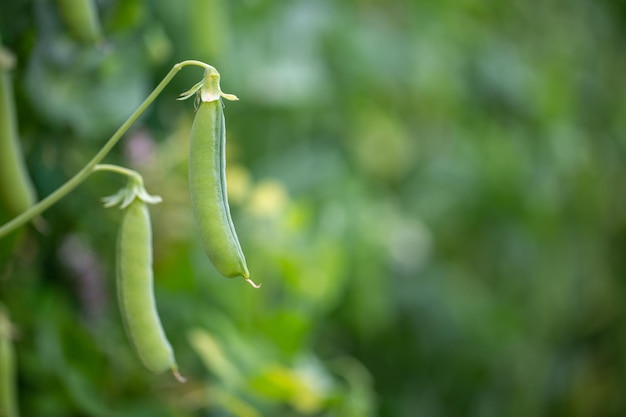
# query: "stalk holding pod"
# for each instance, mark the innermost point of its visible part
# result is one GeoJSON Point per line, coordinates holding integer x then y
{"type": "Point", "coordinates": [207, 179]}
{"type": "Point", "coordinates": [135, 279]}
{"type": "Point", "coordinates": [88, 169]}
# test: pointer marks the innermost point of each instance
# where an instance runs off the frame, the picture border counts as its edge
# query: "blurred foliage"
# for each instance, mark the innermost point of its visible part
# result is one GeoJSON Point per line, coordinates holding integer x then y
{"type": "Point", "coordinates": [429, 192]}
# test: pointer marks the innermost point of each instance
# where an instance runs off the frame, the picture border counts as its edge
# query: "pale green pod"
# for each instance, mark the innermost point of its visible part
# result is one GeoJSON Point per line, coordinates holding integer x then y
{"type": "Point", "coordinates": [135, 290]}
{"type": "Point", "coordinates": [8, 395]}
{"type": "Point", "coordinates": [207, 182]}
{"type": "Point", "coordinates": [81, 19]}
{"type": "Point", "coordinates": [17, 193]}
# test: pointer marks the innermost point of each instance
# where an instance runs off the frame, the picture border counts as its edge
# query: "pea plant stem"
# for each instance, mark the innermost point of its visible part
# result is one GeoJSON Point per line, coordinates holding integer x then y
{"type": "Point", "coordinates": [117, 169]}
{"type": "Point", "coordinates": [88, 169]}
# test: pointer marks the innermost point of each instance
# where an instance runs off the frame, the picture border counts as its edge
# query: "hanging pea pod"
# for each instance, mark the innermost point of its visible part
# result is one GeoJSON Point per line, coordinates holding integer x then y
{"type": "Point", "coordinates": [8, 395]}
{"type": "Point", "coordinates": [207, 179]}
{"type": "Point", "coordinates": [16, 190]}
{"type": "Point", "coordinates": [81, 19]}
{"type": "Point", "coordinates": [135, 279]}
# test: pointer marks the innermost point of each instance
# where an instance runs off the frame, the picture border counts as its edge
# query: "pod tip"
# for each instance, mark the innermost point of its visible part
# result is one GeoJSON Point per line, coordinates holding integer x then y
{"type": "Point", "coordinates": [178, 376]}
{"type": "Point", "coordinates": [249, 281]}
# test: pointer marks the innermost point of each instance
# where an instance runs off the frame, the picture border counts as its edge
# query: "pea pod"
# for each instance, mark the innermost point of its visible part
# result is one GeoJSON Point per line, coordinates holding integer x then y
{"type": "Point", "coordinates": [207, 181]}
{"type": "Point", "coordinates": [135, 277]}
{"type": "Point", "coordinates": [16, 190]}
{"type": "Point", "coordinates": [8, 400]}
{"type": "Point", "coordinates": [135, 290]}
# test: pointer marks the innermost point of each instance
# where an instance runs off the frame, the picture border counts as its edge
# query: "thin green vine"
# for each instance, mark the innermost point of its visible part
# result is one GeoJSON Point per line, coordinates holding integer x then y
{"type": "Point", "coordinates": [117, 169]}
{"type": "Point", "coordinates": [88, 169]}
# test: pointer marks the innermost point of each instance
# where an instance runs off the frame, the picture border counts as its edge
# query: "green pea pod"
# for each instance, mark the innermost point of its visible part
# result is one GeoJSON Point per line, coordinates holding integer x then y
{"type": "Point", "coordinates": [135, 290]}
{"type": "Point", "coordinates": [208, 191]}
{"type": "Point", "coordinates": [81, 19]}
{"type": "Point", "coordinates": [16, 190]}
{"type": "Point", "coordinates": [207, 178]}
{"type": "Point", "coordinates": [8, 396]}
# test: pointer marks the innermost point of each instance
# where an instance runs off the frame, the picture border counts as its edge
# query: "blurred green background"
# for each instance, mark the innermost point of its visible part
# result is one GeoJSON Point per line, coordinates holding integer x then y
{"type": "Point", "coordinates": [431, 193]}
